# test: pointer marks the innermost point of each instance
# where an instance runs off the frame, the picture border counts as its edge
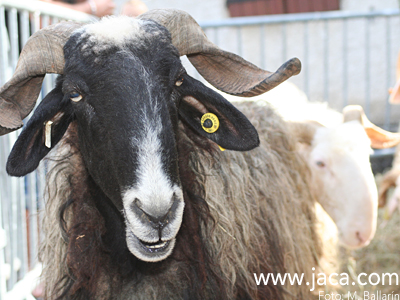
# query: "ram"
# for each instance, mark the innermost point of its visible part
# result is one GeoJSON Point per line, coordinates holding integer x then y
{"type": "Point", "coordinates": [141, 203]}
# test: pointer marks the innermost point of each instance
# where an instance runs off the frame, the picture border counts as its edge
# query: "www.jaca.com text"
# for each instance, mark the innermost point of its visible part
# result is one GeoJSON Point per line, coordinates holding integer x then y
{"type": "Point", "coordinates": [321, 279]}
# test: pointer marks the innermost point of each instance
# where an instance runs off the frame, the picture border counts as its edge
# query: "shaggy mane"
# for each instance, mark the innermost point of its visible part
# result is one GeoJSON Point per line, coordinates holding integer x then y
{"type": "Point", "coordinates": [245, 213]}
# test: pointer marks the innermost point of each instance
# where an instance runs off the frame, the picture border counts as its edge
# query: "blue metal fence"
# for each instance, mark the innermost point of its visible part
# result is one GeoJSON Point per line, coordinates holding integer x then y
{"type": "Point", "coordinates": [347, 57]}
{"type": "Point", "coordinates": [21, 199]}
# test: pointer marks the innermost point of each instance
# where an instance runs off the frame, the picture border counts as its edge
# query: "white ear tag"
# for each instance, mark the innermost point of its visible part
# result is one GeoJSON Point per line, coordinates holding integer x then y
{"type": "Point", "coordinates": [47, 134]}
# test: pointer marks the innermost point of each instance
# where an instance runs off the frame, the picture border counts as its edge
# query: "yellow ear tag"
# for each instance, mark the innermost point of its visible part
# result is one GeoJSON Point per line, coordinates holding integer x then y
{"type": "Point", "coordinates": [209, 122]}
{"type": "Point", "coordinates": [220, 148]}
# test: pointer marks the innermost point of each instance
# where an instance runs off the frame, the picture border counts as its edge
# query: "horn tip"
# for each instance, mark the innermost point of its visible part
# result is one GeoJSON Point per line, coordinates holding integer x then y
{"type": "Point", "coordinates": [294, 65]}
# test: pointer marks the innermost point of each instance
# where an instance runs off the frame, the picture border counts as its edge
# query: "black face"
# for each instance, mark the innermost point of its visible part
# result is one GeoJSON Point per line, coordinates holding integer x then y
{"type": "Point", "coordinates": [127, 96]}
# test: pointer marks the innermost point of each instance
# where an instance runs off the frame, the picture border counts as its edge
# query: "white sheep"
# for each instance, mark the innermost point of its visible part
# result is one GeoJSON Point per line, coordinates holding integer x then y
{"type": "Point", "coordinates": [336, 147]}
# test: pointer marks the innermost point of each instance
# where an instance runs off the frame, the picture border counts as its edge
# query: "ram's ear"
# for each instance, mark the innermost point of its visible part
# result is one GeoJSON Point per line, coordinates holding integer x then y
{"type": "Point", "coordinates": [30, 148]}
{"type": "Point", "coordinates": [235, 132]}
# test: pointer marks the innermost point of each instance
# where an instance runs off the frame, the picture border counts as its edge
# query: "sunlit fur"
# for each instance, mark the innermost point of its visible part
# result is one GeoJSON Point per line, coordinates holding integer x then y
{"type": "Point", "coordinates": [244, 213]}
{"type": "Point", "coordinates": [345, 151]}
{"type": "Point", "coordinates": [112, 32]}
{"type": "Point", "coordinates": [345, 186]}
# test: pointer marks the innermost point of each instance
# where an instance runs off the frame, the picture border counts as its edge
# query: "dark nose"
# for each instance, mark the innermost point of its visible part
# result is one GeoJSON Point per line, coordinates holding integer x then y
{"type": "Point", "coordinates": [157, 222]}
{"type": "Point", "coordinates": [360, 238]}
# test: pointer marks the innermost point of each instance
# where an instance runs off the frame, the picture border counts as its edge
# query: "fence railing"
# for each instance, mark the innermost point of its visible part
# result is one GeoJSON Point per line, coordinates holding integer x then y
{"type": "Point", "coordinates": [21, 199]}
{"type": "Point", "coordinates": [347, 57]}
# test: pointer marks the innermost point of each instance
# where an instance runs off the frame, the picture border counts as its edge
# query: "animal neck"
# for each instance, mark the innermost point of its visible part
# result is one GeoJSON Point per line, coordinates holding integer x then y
{"type": "Point", "coordinates": [98, 257]}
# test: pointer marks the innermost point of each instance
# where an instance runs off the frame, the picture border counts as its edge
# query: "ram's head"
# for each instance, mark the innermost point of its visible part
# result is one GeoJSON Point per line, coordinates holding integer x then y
{"type": "Point", "coordinates": [123, 85]}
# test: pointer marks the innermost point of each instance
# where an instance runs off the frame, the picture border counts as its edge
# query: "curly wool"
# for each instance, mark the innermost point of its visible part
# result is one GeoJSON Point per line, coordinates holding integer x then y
{"type": "Point", "coordinates": [258, 217]}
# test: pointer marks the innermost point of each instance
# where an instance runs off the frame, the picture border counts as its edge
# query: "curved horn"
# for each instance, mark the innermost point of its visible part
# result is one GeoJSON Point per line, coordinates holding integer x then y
{"type": "Point", "coordinates": [226, 71]}
{"type": "Point", "coordinates": [380, 138]}
{"type": "Point", "coordinates": [43, 53]}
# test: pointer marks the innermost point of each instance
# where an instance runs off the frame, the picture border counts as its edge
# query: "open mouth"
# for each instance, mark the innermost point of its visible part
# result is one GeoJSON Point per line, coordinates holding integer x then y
{"type": "Point", "coordinates": [150, 252]}
{"type": "Point", "coordinates": [154, 247]}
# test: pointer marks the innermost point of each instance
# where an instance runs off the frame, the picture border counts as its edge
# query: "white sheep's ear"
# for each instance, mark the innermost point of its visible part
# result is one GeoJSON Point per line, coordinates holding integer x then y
{"type": "Point", "coordinates": [379, 137]}
{"type": "Point", "coordinates": [395, 92]}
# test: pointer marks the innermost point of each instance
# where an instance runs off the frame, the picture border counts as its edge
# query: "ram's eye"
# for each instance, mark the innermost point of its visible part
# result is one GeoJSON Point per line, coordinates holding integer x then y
{"type": "Point", "coordinates": [76, 97]}
{"type": "Point", "coordinates": [320, 164]}
{"type": "Point", "coordinates": [179, 82]}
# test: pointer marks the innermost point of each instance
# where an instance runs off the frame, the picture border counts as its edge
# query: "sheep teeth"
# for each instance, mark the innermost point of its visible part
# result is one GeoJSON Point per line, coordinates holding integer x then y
{"type": "Point", "coordinates": [157, 246]}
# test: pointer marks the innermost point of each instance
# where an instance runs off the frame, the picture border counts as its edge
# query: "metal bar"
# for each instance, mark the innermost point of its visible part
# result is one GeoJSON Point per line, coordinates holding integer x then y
{"type": "Point", "coordinates": [24, 26]}
{"type": "Point", "coordinates": [54, 20]}
{"type": "Point", "coordinates": [389, 68]}
{"type": "Point", "coordinates": [45, 20]}
{"type": "Point", "coordinates": [4, 42]}
{"type": "Point", "coordinates": [345, 64]}
{"type": "Point", "coordinates": [306, 59]}
{"type": "Point", "coordinates": [48, 82]}
{"type": "Point", "coordinates": [326, 60]}
{"type": "Point", "coordinates": [284, 42]}
{"type": "Point", "coordinates": [367, 106]}
{"type": "Point", "coordinates": [262, 47]}
{"type": "Point", "coordinates": [383, 152]}
{"type": "Point", "coordinates": [41, 200]}
{"type": "Point", "coordinates": [239, 41]}
{"type": "Point", "coordinates": [15, 194]}
{"type": "Point", "coordinates": [300, 17]}
{"type": "Point", "coordinates": [216, 36]}
{"type": "Point", "coordinates": [3, 240]}
{"type": "Point", "coordinates": [4, 184]}
{"type": "Point", "coordinates": [48, 9]}
{"type": "Point", "coordinates": [35, 22]}
{"type": "Point", "coordinates": [33, 220]}
{"type": "Point", "coordinates": [14, 37]}
{"type": "Point", "coordinates": [22, 240]}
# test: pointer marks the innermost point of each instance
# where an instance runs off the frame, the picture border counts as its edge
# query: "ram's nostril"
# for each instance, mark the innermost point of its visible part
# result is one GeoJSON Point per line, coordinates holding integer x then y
{"type": "Point", "coordinates": [157, 220]}
{"type": "Point", "coordinates": [137, 203]}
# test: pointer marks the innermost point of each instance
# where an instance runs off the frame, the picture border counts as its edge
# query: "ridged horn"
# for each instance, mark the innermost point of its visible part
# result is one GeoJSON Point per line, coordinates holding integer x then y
{"type": "Point", "coordinates": [226, 71]}
{"type": "Point", "coordinates": [43, 53]}
{"type": "Point", "coordinates": [379, 137]}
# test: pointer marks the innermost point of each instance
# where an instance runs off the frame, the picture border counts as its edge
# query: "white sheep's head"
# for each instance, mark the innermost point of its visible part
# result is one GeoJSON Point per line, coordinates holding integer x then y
{"type": "Point", "coordinates": [342, 177]}
{"type": "Point", "coordinates": [123, 86]}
